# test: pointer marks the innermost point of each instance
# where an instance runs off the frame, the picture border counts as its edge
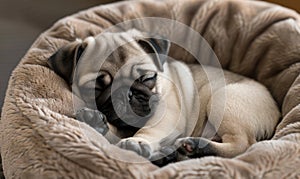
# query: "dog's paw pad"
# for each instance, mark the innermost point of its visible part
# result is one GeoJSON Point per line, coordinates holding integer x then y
{"type": "Point", "coordinates": [186, 146]}
{"type": "Point", "coordinates": [94, 118]}
{"type": "Point", "coordinates": [194, 147]}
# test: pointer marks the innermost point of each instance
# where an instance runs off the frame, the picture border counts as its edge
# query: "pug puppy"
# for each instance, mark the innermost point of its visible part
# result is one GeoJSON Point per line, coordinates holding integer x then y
{"type": "Point", "coordinates": [150, 101]}
{"type": "Point", "coordinates": [118, 72]}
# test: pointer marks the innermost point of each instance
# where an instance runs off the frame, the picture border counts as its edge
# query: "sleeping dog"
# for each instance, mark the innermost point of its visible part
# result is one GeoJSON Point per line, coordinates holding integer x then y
{"type": "Point", "coordinates": [149, 101]}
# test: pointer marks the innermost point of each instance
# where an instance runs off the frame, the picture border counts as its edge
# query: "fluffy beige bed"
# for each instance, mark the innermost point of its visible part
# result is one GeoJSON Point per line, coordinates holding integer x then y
{"type": "Point", "coordinates": [41, 139]}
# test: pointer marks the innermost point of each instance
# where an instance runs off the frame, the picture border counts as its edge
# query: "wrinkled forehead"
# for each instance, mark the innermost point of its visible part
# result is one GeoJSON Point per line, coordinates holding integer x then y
{"type": "Point", "coordinates": [118, 52]}
{"type": "Point", "coordinates": [99, 48]}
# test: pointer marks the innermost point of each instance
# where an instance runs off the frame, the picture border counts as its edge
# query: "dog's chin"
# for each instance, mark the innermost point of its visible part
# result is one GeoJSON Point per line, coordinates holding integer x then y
{"type": "Point", "coordinates": [133, 115]}
{"type": "Point", "coordinates": [127, 129]}
{"type": "Point", "coordinates": [127, 120]}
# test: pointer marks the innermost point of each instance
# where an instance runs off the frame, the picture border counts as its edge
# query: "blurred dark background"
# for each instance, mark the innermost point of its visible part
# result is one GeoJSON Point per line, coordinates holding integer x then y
{"type": "Point", "coordinates": [21, 21]}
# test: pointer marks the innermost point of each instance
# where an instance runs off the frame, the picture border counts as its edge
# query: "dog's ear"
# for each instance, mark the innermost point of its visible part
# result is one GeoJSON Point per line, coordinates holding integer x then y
{"type": "Point", "coordinates": [64, 61]}
{"type": "Point", "coordinates": [159, 47]}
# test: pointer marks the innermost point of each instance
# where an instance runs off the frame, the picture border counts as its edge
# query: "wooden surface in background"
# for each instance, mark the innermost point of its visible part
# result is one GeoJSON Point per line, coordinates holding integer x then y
{"type": "Point", "coordinates": [293, 4]}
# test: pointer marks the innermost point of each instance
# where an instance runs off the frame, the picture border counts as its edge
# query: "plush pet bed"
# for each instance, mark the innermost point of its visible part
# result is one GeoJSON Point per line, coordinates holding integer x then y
{"type": "Point", "coordinates": [41, 139]}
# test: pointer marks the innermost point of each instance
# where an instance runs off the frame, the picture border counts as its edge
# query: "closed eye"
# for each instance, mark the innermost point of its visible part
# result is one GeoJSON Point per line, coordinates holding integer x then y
{"type": "Point", "coordinates": [149, 80]}
{"type": "Point", "coordinates": [103, 80]}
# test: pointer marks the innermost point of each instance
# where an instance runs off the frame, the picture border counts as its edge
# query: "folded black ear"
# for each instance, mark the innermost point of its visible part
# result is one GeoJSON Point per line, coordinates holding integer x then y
{"type": "Point", "coordinates": [63, 62]}
{"type": "Point", "coordinates": [159, 47]}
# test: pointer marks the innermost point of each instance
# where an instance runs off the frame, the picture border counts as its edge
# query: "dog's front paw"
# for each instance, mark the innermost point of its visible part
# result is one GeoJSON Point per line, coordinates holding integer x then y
{"type": "Point", "coordinates": [141, 147]}
{"type": "Point", "coordinates": [94, 118]}
{"type": "Point", "coordinates": [193, 147]}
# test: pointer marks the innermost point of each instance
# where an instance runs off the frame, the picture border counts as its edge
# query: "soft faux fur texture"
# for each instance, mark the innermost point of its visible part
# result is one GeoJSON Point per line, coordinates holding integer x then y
{"type": "Point", "coordinates": [41, 139]}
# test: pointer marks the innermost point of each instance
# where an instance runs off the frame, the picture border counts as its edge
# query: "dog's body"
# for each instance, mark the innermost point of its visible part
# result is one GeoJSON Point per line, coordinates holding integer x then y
{"type": "Point", "coordinates": [246, 108]}
{"type": "Point", "coordinates": [233, 115]}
